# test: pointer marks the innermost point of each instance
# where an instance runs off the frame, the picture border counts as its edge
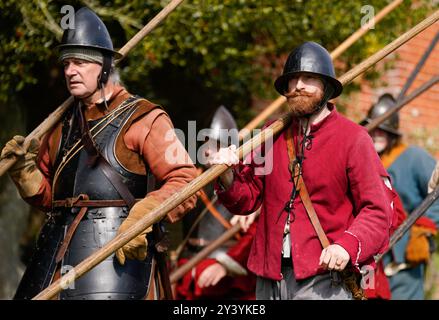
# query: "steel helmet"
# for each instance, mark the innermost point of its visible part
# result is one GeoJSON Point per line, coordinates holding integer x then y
{"type": "Point", "coordinates": [385, 102]}
{"type": "Point", "coordinates": [312, 58]}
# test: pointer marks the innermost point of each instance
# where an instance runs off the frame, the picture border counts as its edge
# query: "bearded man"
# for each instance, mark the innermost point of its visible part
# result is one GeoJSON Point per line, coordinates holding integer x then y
{"type": "Point", "coordinates": [346, 183]}
{"type": "Point", "coordinates": [94, 173]}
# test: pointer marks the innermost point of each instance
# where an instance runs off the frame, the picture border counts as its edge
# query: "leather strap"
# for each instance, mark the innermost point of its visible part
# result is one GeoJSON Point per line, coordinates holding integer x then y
{"type": "Point", "coordinates": [96, 158]}
{"type": "Point", "coordinates": [215, 213]}
{"type": "Point", "coordinates": [71, 202]}
{"type": "Point", "coordinates": [295, 169]}
{"type": "Point", "coordinates": [348, 276]}
{"type": "Point", "coordinates": [71, 230]}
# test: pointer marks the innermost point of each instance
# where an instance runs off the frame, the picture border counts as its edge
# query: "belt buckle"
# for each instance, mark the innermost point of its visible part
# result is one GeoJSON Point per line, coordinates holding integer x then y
{"type": "Point", "coordinates": [70, 202]}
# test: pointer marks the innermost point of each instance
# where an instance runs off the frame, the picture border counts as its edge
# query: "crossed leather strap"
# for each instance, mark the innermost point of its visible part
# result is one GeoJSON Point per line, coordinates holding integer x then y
{"type": "Point", "coordinates": [96, 159]}
{"type": "Point", "coordinates": [348, 276]}
{"type": "Point", "coordinates": [71, 230]}
{"type": "Point", "coordinates": [83, 201]}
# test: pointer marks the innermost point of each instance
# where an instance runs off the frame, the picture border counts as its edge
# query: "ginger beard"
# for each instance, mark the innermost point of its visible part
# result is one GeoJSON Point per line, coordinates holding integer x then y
{"type": "Point", "coordinates": [301, 103]}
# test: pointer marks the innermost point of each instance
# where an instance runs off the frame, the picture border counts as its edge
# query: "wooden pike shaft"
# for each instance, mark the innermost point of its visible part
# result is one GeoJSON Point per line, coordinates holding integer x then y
{"type": "Point", "coordinates": [410, 221]}
{"type": "Point", "coordinates": [55, 117]}
{"type": "Point", "coordinates": [171, 6]}
{"type": "Point", "coordinates": [398, 106]}
{"type": "Point", "coordinates": [363, 30]}
{"type": "Point", "coordinates": [276, 104]}
{"type": "Point", "coordinates": [212, 173]}
{"type": "Point", "coordinates": [363, 66]}
{"type": "Point", "coordinates": [180, 272]}
{"type": "Point", "coordinates": [38, 132]}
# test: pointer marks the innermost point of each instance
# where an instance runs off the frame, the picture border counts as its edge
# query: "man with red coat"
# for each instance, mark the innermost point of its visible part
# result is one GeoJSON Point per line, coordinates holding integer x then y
{"type": "Point", "coordinates": [347, 185]}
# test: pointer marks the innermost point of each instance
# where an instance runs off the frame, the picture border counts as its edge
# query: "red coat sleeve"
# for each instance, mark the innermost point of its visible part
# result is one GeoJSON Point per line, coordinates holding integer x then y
{"type": "Point", "coordinates": [246, 192]}
{"type": "Point", "coordinates": [369, 232]}
{"type": "Point", "coordinates": [241, 250]}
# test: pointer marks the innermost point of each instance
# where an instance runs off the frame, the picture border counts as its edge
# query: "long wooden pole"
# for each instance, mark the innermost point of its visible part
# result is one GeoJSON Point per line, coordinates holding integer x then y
{"type": "Point", "coordinates": [398, 106]}
{"type": "Point", "coordinates": [334, 54]}
{"type": "Point", "coordinates": [212, 173]}
{"type": "Point", "coordinates": [55, 117]}
{"type": "Point", "coordinates": [418, 68]}
{"type": "Point", "coordinates": [410, 221]}
{"type": "Point", "coordinates": [151, 25]}
{"type": "Point", "coordinates": [364, 29]}
{"type": "Point", "coordinates": [276, 104]}
{"type": "Point", "coordinates": [180, 272]}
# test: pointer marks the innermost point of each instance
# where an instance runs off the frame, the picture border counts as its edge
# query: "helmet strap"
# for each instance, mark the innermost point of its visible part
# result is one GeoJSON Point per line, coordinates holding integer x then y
{"type": "Point", "coordinates": [106, 68]}
{"type": "Point", "coordinates": [328, 90]}
{"type": "Point", "coordinates": [104, 76]}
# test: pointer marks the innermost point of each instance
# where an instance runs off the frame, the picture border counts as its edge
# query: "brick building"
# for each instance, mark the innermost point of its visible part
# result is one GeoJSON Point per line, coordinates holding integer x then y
{"type": "Point", "coordinates": [420, 118]}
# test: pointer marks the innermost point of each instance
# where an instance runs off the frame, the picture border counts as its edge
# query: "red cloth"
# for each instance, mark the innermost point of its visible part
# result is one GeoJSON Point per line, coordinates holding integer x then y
{"type": "Point", "coordinates": [426, 222]}
{"type": "Point", "coordinates": [399, 214]}
{"type": "Point", "coordinates": [237, 287]}
{"type": "Point", "coordinates": [343, 175]}
{"type": "Point", "coordinates": [381, 288]}
{"type": "Point", "coordinates": [241, 251]}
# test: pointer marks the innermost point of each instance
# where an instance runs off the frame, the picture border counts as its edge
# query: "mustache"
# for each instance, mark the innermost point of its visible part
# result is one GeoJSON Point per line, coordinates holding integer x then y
{"type": "Point", "coordinates": [296, 93]}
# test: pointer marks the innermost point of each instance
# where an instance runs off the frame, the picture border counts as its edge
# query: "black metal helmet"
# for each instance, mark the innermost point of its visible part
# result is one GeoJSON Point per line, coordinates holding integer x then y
{"type": "Point", "coordinates": [312, 58]}
{"type": "Point", "coordinates": [223, 126]}
{"type": "Point", "coordinates": [384, 103]}
{"type": "Point", "coordinates": [89, 31]}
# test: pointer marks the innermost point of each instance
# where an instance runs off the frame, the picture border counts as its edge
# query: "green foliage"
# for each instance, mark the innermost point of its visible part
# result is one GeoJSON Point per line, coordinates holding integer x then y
{"type": "Point", "coordinates": [231, 50]}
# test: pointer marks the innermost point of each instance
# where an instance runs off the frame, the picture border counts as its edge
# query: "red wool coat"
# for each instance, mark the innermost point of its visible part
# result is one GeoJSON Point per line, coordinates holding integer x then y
{"type": "Point", "coordinates": [343, 174]}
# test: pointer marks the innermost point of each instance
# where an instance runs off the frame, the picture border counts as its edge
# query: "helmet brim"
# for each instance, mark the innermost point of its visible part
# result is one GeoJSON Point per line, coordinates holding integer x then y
{"type": "Point", "coordinates": [116, 55]}
{"type": "Point", "coordinates": [281, 83]}
{"type": "Point", "coordinates": [381, 126]}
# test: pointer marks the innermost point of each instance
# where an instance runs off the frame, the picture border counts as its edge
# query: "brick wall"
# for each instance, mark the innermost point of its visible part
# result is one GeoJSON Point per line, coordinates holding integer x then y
{"type": "Point", "coordinates": [420, 118]}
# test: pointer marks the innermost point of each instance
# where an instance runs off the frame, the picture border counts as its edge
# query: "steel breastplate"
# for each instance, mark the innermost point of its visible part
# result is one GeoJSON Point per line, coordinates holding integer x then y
{"type": "Point", "coordinates": [108, 280]}
{"type": "Point", "coordinates": [78, 177]}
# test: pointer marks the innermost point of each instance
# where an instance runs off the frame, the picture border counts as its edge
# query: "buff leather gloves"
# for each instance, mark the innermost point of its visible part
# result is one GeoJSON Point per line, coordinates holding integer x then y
{"type": "Point", "coordinates": [25, 173]}
{"type": "Point", "coordinates": [418, 248]}
{"type": "Point", "coordinates": [136, 248]}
